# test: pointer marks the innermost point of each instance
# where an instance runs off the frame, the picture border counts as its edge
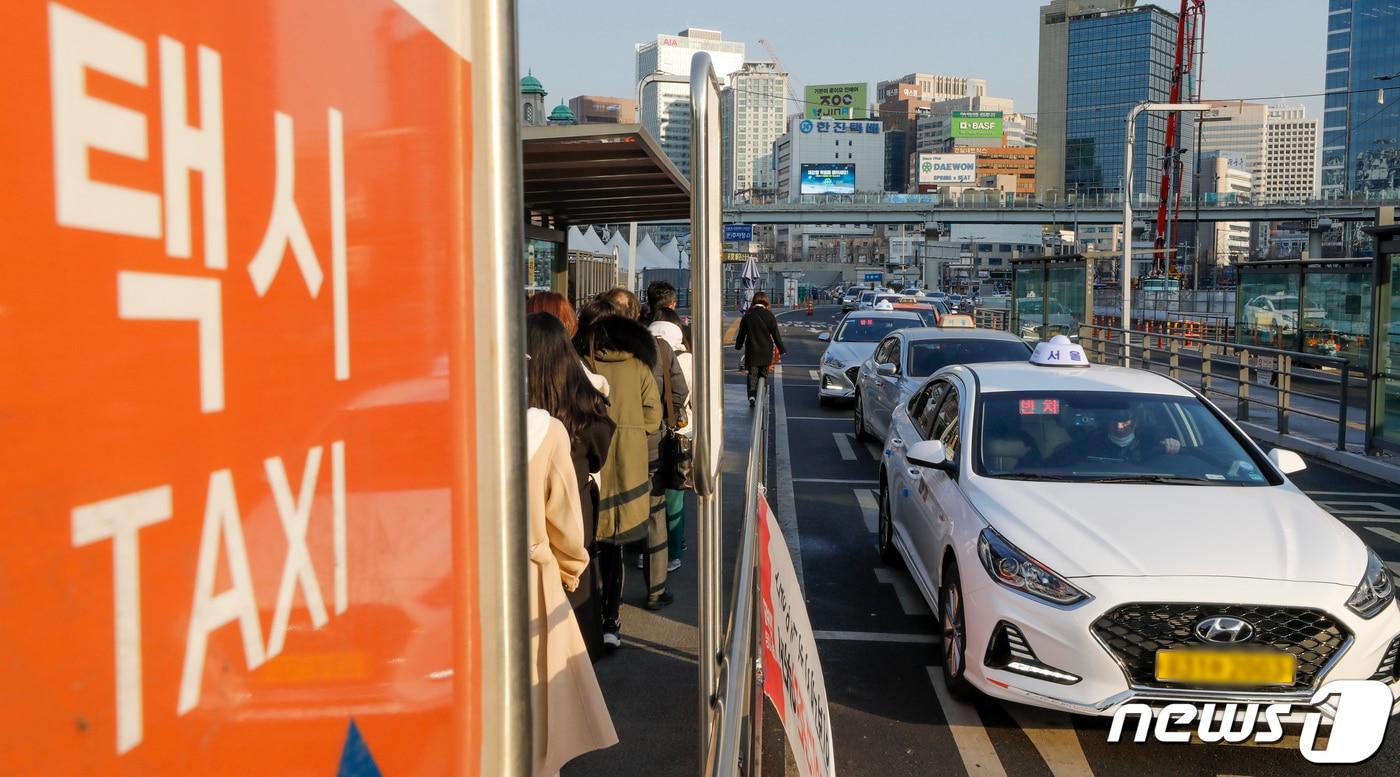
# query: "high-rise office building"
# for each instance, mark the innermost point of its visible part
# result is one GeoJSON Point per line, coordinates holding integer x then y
{"type": "Point", "coordinates": [591, 109]}
{"type": "Point", "coordinates": [665, 108]}
{"type": "Point", "coordinates": [753, 111]}
{"type": "Point", "coordinates": [933, 87]}
{"type": "Point", "coordinates": [1097, 58]}
{"type": "Point", "coordinates": [899, 103]}
{"type": "Point", "coordinates": [1360, 135]}
{"type": "Point", "coordinates": [1290, 155]}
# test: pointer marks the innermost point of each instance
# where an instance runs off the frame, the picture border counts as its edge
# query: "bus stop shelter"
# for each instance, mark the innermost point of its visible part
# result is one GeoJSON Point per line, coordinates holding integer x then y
{"type": "Point", "coordinates": [591, 174]}
{"type": "Point", "coordinates": [1050, 295]}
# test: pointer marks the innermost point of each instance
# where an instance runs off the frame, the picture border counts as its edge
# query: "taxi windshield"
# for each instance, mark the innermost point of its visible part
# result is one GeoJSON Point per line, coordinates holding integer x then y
{"type": "Point", "coordinates": [866, 329]}
{"type": "Point", "coordinates": [929, 356]}
{"type": "Point", "coordinates": [1111, 436]}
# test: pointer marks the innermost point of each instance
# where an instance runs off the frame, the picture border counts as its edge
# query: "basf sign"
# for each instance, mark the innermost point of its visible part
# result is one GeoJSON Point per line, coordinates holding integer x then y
{"type": "Point", "coordinates": [947, 168]}
{"type": "Point", "coordinates": [835, 178]}
{"type": "Point", "coordinates": [977, 124]}
{"type": "Point", "coordinates": [840, 101]}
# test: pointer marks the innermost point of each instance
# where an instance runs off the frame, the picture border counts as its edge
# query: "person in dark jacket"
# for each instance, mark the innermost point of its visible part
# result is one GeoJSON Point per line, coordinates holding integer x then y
{"type": "Point", "coordinates": [758, 335]}
{"type": "Point", "coordinates": [557, 384]}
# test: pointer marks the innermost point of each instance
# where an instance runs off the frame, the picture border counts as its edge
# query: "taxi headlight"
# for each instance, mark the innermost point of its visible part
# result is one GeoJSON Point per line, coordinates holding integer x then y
{"type": "Point", "coordinates": [1016, 570]}
{"type": "Point", "coordinates": [1376, 589]}
{"type": "Point", "coordinates": [832, 362]}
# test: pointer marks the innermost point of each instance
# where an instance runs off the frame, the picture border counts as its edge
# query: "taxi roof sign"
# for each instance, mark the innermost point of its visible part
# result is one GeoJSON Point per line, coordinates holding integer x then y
{"type": "Point", "coordinates": [957, 321]}
{"type": "Point", "coordinates": [884, 304]}
{"type": "Point", "coordinates": [1058, 351]}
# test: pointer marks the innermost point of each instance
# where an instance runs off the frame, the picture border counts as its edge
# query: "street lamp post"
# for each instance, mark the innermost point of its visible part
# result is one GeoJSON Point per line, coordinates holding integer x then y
{"type": "Point", "coordinates": [1126, 273]}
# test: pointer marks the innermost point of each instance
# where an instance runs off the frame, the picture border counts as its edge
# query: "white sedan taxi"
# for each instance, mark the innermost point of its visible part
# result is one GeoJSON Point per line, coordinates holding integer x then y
{"type": "Point", "coordinates": [852, 342]}
{"type": "Point", "coordinates": [1093, 535]}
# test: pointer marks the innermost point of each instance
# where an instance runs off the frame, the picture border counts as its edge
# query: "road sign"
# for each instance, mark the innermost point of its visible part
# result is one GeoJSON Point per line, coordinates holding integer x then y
{"type": "Point", "coordinates": [874, 276]}
{"type": "Point", "coordinates": [738, 233]}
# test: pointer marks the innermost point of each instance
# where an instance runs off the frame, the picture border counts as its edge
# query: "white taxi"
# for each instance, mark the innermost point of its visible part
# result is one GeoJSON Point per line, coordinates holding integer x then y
{"type": "Point", "coordinates": [1092, 535]}
{"type": "Point", "coordinates": [851, 343]}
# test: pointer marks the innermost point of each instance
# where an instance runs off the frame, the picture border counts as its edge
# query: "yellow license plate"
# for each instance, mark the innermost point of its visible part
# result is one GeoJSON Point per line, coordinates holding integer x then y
{"type": "Point", "coordinates": [1226, 667]}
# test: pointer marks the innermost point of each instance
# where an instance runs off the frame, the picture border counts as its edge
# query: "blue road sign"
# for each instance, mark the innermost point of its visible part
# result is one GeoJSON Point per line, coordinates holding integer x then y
{"type": "Point", "coordinates": [738, 233]}
{"type": "Point", "coordinates": [874, 276]}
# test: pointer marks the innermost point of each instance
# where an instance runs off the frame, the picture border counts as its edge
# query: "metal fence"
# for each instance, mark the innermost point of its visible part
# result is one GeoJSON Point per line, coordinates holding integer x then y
{"type": "Point", "coordinates": [736, 742]}
{"type": "Point", "coordinates": [1252, 376]}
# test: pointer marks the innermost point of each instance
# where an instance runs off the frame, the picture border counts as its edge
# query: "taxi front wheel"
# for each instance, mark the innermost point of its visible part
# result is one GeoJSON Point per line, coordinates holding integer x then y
{"type": "Point", "coordinates": [954, 631]}
{"type": "Point", "coordinates": [885, 538]}
{"type": "Point", "coordinates": [859, 417]}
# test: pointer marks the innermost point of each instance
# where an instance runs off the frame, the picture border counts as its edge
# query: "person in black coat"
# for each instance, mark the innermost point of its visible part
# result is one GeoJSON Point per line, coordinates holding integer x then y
{"type": "Point", "coordinates": [557, 383]}
{"type": "Point", "coordinates": [758, 335]}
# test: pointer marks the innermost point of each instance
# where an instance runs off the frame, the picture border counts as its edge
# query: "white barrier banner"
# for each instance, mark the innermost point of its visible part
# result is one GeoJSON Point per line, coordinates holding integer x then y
{"type": "Point", "coordinates": [792, 671]}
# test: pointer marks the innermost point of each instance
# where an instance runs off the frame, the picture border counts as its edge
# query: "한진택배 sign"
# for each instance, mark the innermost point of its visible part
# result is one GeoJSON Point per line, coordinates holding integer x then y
{"type": "Point", "coordinates": [842, 101]}
{"type": "Point", "coordinates": [977, 124]}
{"type": "Point", "coordinates": [947, 168]}
{"type": "Point", "coordinates": [836, 178]}
{"type": "Point", "coordinates": [792, 671]}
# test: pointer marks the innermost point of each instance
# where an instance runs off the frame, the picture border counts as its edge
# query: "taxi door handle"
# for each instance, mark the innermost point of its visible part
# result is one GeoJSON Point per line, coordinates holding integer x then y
{"type": "Point", "coordinates": [915, 472]}
{"type": "Point", "coordinates": [896, 442]}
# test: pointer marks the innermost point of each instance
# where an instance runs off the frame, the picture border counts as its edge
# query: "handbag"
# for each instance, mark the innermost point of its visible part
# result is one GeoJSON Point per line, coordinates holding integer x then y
{"type": "Point", "coordinates": [677, 469]}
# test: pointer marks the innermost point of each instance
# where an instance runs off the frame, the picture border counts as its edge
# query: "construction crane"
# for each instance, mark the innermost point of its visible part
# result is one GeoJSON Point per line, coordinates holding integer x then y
{"type": "Point", "coordinates": [1190, 36]}
{"type": "Point", "coordinates": [774, 56]}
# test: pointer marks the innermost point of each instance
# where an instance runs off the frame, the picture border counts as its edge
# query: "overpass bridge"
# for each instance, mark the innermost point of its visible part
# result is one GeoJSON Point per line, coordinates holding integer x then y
{"type": "Point", "coordinates": [917, 209]}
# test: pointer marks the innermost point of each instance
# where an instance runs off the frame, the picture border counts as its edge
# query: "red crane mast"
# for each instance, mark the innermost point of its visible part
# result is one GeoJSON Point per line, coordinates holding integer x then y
{"type": "Point", "coordinates": [1190, 32]}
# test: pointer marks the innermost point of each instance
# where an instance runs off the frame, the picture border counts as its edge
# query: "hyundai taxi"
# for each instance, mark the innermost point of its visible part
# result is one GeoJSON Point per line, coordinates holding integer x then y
{"type": "Point", "coordinates": [1094, 535]}
{"type": "Point", "coordinates": [853, 340]}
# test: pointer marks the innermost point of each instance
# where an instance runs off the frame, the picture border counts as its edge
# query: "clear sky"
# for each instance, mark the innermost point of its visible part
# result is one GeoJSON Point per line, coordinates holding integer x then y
{"type": "Point", "coordinates": [1254, 48]}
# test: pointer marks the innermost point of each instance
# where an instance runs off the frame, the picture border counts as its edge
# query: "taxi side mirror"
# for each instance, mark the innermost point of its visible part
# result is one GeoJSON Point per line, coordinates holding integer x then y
{"type": "Point", "coordinates": [887, 369]}
{"type": "Point", "coordinates": [1287, 461]}
{"type": "Point", "coordinates": [931, 454]}
{"type": "Point", "coordinates": [824, 336]}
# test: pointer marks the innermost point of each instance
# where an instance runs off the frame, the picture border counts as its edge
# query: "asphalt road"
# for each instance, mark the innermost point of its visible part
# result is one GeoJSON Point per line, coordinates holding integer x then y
{"type": "Point", "coordinates": [878, 641]}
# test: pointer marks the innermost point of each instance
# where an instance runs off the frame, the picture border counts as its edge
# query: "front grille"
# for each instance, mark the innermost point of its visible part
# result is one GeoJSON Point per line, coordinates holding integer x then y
{"type": "Point", "coordinates": [1134, 633]}
{"type": "Point", "coordinates": [851, 373]}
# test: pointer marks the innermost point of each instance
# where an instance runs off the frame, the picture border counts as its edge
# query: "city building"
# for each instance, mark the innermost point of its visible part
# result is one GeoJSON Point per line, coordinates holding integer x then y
{"type": "Point", "coordinates": [1225, 178]}
{"type": "Point", "coordinates": [1237, 129]}
{"type": "Point", "coordinates": [899, 102]}
{"type": "Point", "coordinates": [532, 96]}
{"type": "Point", "coordinates": [561, 115]}
{"type": "Point", "coordinates": [753, 112]}
{"type": "Point", "coordinates": [665, 108]}
{"type": "Point", "coordinates": [830, 156]}
{"type": "Point", "coordinates": [591, 109]}
{"type": "Point", "coordinates": [933, 87]}
{"type": "Point", "coordinates": [1361, 135]}
{"type": "Point", "coordinates": [1097, 58]}
{"type": "Point", "coordinates": [1290, 155]}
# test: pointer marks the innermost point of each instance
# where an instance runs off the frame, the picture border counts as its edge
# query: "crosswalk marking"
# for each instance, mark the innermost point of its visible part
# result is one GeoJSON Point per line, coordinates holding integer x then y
{"type": "Point", "coordinates": [1352, 507]}
{"type": "Point", "coordinates": [843, 444]}
{"type": "Point", "coordinates": [814, 375]}
{"type": "Point", "coordinates": [1054, 737]}
{"type": "Point", "coordinates": [910, 600]}
{"type": "Point", "coordinates": [869, 508]}
{"type": "Point", "coordinates": [979, 757]}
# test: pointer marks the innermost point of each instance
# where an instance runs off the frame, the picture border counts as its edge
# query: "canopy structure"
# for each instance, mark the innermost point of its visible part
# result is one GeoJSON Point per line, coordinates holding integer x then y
{"type": "Point", "coordinates": [600, 174]}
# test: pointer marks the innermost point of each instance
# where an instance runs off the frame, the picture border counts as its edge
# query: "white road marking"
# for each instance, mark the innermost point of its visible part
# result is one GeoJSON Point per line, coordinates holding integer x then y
{"type": "Point", "coordinates": [814, 375]}
{"type": "Point", "coordinates": [1054, 738]}
{"type": "Point", "coordinates": [1356, 508]}
{"type": "Point", "coordinates": [842, 419]}
{"type": "Point", "coordinates": [910, 600]}
{"type": "Point", "coordinates": [1353, 493]}
{"type": "Point", "coordinates": [787, 501]}
{"type": "Point", "coordinates": [835, 480]}
{"type": "Point", "coordinates": [843, 444]}
{"type": "Point", "coordinates": [869, 508]}
{"type": "Point", "coordinates": [975, 748]}
{"type": "Point", "coordinates": [875, 636]}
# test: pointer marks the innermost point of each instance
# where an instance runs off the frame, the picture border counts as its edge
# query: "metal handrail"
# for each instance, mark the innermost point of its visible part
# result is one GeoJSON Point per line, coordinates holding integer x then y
{"type": "Point", "coordinates": [738, 706]}
{"type": "Point", "coordinates": [1117, 344]}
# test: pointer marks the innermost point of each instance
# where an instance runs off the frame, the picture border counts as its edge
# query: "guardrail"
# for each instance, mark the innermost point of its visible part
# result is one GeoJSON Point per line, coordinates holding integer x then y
{"type": "Point", "coordinates": [986, 198]}
{"type": "Point", "coordinates": [736, 741]}
{"type": "Point", "coordinates": [1221, 365]}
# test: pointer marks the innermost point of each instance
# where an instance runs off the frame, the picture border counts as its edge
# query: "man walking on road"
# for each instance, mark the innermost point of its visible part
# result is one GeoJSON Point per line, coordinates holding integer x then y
{"type": "Point", "coordinates": [758, 335]}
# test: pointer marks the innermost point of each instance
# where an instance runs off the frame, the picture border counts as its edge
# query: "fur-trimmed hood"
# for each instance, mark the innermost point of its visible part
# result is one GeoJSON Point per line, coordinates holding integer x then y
{"type": "Point", "coordinates": [616, 333]}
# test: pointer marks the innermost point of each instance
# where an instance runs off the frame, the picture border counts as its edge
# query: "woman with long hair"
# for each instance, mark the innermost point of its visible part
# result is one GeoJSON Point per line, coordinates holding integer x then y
{"type": "Point", "coordinates": [556, 383]}
{"type": "Point", "coordinates": [557, 305]}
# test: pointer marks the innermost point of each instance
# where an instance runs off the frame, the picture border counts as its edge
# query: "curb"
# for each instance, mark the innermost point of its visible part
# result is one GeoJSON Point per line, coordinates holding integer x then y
{"type": "Point", "coordinates": [1355, 463]}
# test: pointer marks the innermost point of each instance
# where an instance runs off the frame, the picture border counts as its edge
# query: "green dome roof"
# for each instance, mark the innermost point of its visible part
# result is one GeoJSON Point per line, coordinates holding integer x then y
{"type": "Point", "coordinates": [561, 113]}
{"type": "Point", "coordinates": [531, 85]}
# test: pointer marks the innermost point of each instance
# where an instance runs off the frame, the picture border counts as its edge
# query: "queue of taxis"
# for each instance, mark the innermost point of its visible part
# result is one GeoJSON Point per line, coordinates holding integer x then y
{"type": "Point", "coordinates": [1091, 536]}
{"type": "Point", "coordinates": [851, 342]}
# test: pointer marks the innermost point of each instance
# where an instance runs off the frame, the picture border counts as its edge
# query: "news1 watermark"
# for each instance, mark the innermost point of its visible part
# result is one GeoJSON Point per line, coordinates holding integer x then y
{"type": "Point", "coordinates": [1359, 711]}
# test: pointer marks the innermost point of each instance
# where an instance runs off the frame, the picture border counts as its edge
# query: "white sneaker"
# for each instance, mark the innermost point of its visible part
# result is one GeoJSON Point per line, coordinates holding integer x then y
{"type": "Point", "coordinates": [673, 565]}
{"type": "Point", "coordinates": [641, 563]}
{"type": "Point", "coordinates": [612, 640]}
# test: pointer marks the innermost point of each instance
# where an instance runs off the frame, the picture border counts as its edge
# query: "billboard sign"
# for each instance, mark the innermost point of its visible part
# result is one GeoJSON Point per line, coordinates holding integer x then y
{"type": "Point", "coordinates": [835, 178]}
{"type": "Point", "coordinates": [738, 233]}
{"type": "Point", "coordinates": [947, 168]}
{"type": "Point", "coordinates": [977, 124]}
{"type": "Point", "coordinates": [844, 101]}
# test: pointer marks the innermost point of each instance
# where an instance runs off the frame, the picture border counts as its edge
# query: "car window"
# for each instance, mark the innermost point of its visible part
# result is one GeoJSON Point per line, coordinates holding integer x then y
{"type": "Point", "coordinates": [925, 402]}
{"type": "Point", "coordinates": [892, 353]}
{"type": "Point", "coordinates": [928, 356]}
{"type": "Point", "coordinates": [870, 329]}
{"type": "Point", "coordinates": [881, 355]}
{"type": "Point", "coordinates": [946, 426]}
{"type": "Point", "coordinates": [1108, 435]}
{"type": "Point", "coordinates": [928, 317]}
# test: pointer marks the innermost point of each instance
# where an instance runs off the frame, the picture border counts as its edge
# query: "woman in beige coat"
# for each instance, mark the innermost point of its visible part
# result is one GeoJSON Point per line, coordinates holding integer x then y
{"type": "Point", "coordinates": [570, 716]}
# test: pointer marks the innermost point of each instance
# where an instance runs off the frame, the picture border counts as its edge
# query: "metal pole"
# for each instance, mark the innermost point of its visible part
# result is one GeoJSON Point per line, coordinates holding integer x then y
{"type": "Point", "coordinates": [708, 396]}
{"type": "Point", "coordinates": [1196, 195]}
{"type": "Point", "coordinates": [1125, 273]}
